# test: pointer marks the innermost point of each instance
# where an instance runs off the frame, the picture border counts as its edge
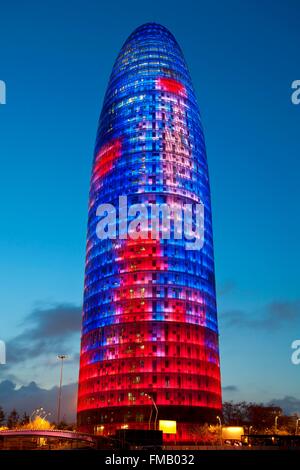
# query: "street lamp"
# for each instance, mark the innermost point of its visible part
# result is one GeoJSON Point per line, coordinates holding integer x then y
{"type": "Point", "coordinates": [156, 410]}
{"type": "Point", "coordinates": [276, 421]}
{"type": "Point", "coordinates": [46, 414]}
{"type": "Point", "coordinates": [296, 430]}
{"type": "Point", "coordinates": [61, 357]}
{"type": "Point", "coordinates": [150, 417]}
{"type": "Point", "coordinates": [220, 423]}
{"type": "Point", "coordinates": [30, 417]}
{"type": "Point", "coordinates": [148, 396]}
{"type": "Point", "coordinates": [35, 412]}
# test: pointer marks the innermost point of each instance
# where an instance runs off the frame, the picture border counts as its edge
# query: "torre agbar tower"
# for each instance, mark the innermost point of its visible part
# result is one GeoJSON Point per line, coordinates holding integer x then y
{"type": "Point", "coordinates": [149, 326]}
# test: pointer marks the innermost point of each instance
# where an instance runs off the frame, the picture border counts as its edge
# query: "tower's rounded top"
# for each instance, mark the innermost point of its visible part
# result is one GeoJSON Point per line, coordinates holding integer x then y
{"type": "Point", "coordinates": [150, 44]}
{"type": "Point", "coordinates": [152, 30]}
{"type": "Point", "coordinates": [150, 52]}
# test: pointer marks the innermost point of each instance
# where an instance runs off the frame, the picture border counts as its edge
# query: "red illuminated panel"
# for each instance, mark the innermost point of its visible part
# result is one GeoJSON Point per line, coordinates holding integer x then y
{"type": "Point", "coordinates": [106, 157]}
{"type": "Point", "coordinates": [170, 85]}
{"type": "Point", "coordinates": [137, 255]}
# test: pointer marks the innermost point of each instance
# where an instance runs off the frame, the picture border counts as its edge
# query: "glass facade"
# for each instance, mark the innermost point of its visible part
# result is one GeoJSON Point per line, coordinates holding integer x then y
{"type": "Point", "coordinates": [149, 328]}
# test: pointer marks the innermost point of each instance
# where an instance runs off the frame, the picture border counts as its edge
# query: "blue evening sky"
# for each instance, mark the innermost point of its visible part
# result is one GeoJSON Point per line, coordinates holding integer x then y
{"type": "Point", "coordinates": [56, 57]}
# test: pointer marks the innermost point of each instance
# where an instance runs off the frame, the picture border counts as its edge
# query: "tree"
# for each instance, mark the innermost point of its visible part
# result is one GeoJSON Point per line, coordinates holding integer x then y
{"type": "Point", "coordinates": [205, 434]}
{"type": "Point", "coordinates": [2, 416]}
{"type": "Point", "coordinates": [236, 414]}
{"type": "Point", "coordinates": [62, 425]}
{"type": "Point", "coordinates": [13, 419]}
{"type": "Point", "coordinates": [25, 419]}
{"type": "Point", "coordinates": [262, 417]}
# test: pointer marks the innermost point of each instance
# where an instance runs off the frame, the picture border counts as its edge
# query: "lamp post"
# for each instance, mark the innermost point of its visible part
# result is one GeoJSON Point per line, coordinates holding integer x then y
{"type": "Point", "coordinates": [276, 422]}
{"type": "Point", "coordinates": [156, 410]}
{"type": "Point", "coordinates": [47, 414]}
{"type": "Point", "coordinates": [42, 413]}
{"type": "Point", "coordinates": [149, 425]}
{"type": "Point", "coordinates": [61, 357]}
{"type": "Point", "coordinates": [296, 430]}
{"type": "Point", "coordinates": [35, 412]}
{"type": "Point", "coordinates": [30, 417]}
{"type": "Point", "coordinates": [220, 423]}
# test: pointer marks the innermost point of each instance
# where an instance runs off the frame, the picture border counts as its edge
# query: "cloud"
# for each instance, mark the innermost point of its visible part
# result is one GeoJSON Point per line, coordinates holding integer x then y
{"type": "Point", "coordinates": [289, 404]}
{"type": "Point", "coordinates": [46, 330]}
{"type": "Point", "coordinates": [272, 316]}
{"type": "Point", "coordinates": [28, 398]}
{"type": "Point", "coordinates": [230, 388]}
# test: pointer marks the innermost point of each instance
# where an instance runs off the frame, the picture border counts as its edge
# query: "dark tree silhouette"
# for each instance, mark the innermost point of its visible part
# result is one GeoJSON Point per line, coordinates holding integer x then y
{"type": "Point", "coordinates": [2, 416]}
{"type": "Point", "coordinates": [236, 413]}
{"type": "Point", "coordinates": [13, 419]}
{"type": "Point", "coordinates": [25, 419]}
{"type": "Point", "coordinates": [260, 417]}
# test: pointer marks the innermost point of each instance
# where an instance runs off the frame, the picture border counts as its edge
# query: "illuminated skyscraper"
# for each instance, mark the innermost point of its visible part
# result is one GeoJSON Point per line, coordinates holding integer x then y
{"type": "Point", "coordinates": [149, 328]}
